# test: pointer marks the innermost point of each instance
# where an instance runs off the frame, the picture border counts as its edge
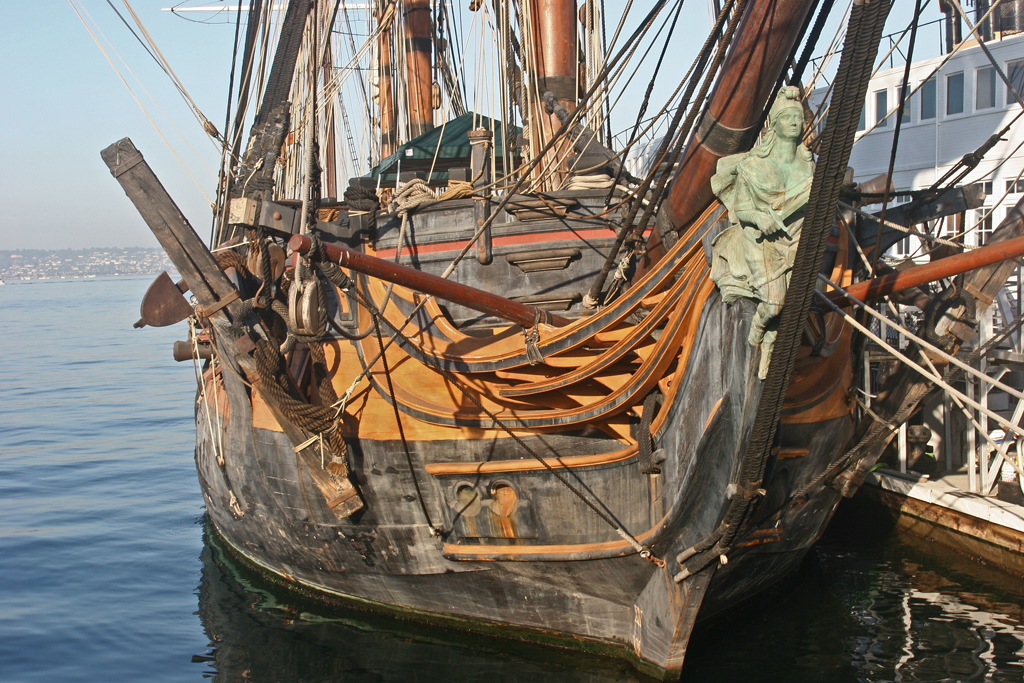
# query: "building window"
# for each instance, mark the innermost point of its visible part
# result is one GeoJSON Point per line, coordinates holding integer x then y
{"type": "Point", "coordinates": [949, 223]}
{"type": "Point", "coordinates": [881, 108]}
{"type": "Point", "coordinates": [955, 94]}
{"type": "Point", "coordinates": [988, 188]}
{"type": "Point", "coordinates": [984, 220]}
{"type": "Point", "coordinates": [905, 108]}
{"type": "Point", "coordinates": [1015, 186]}
{"type": "Point", "coordinates": [928, 99]}
{"type": "Point", "coordinates": [1015, 72]}
{"type": "Point", "coordinates": [986, 88]}
{"type": "Point", "coordinates": [902, 248]}
{"type": "Point", "coordinates": [862, 124]}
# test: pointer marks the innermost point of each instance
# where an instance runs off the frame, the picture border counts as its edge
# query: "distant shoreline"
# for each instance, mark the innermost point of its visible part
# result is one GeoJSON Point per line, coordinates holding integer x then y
{"type": "Point", "coordinates": [10, 280]}
{"type": "Point", "coordinates": [56, 264]}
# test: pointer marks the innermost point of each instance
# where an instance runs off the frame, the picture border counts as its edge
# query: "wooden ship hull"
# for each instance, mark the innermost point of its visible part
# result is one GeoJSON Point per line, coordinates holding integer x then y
{"type": "Point", "coordinates": [478, 449]}
{"type": "Point", "coordinates": [542, 562]}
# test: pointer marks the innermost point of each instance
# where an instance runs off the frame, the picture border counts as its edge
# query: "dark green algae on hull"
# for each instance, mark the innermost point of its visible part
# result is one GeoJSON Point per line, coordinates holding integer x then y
{"type": "Point", "coordinates": [866, 605]}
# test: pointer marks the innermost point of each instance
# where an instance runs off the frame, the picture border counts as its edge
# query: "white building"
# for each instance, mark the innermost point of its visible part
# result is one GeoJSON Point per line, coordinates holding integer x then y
{"type": "Point", "coordinates": [953, 109]}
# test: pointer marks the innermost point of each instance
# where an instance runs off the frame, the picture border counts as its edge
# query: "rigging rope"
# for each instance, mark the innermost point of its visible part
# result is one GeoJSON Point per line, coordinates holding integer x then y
{"type": "Point", "coordinates": [592, 298]}
{"type": "Point", "coordinates": [342, 281]}
{"type": "Point", "coordinates": [605, 514]}
{"type": "Point", "coordinates": [896, 133]}
{"type": "Point", "coordinates": [92, 34]}
{"type": "Point", "coordinates": [435, 531]}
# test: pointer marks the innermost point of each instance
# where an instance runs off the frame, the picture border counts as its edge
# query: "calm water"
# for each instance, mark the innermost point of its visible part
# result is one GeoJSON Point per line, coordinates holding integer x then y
{"type": "Point", "coordinates": [107, 573]}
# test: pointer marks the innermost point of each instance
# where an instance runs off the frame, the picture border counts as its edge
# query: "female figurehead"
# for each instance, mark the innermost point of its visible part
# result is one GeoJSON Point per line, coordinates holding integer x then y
{"type": "Point", "coordinates": [766, 192]}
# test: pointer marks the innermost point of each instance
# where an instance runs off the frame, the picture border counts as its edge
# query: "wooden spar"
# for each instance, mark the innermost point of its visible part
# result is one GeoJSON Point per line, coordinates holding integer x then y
{"type": "Point", "coordinates": [553, 25]}
{"type": "Point", "coordinates": [385, 95]}
{"type": "Point", "coordinates": [219, 299]}
{"type": "Point", "coordinates": [764, 39]}
{"type": "Point", "coordinates": [470, 297]}
{"type": "Point", "coordinates": [418, 47]}
{"type": "Point", "coordinates": [555, 30]}
{"type": "Point", "coordinates": [929, 272]}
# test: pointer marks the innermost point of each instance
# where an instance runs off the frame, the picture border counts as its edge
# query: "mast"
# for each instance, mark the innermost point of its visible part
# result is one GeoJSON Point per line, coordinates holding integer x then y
{"type": "Point", "coordinates": [385, 92]}
{"type": "Point", "coordinates": [764, 39]}
{"type": "Point", "coordinates": [418, 51]}
{"type": "Point", "coordinates": [553, 63]}
{"type": "Point", "coordinates": [330, 187]}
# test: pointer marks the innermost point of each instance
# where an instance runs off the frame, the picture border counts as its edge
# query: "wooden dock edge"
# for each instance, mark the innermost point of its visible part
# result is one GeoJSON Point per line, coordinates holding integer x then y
{"type": "Point", "coordinates": [971, 524]}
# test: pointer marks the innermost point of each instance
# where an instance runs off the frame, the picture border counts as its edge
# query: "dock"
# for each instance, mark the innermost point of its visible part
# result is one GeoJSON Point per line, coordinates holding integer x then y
{"type": "Point", "coordinates": [942, 510]}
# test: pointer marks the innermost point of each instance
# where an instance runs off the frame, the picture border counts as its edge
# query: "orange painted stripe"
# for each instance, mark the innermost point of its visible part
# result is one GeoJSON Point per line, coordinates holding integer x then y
{"type": "Point", "coordinates": [467, 468]}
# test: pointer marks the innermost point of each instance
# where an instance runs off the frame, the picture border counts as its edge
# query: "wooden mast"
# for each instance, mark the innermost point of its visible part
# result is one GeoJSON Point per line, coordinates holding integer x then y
{"type": "Point", "coordinates": [330, 179]}
{"type": "Point", "coordinates": [385, 93]}
{"type": "Point", "coordinates": [553, 26]}
{"type": "Point", "coordinates": [418, 50]}
{"type": "Point", "coordinates": [764, 39]}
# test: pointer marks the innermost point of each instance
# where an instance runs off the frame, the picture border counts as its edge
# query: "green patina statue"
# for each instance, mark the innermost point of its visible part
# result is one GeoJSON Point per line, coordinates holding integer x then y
{"type": "Point", "coordinates": [765, 191]}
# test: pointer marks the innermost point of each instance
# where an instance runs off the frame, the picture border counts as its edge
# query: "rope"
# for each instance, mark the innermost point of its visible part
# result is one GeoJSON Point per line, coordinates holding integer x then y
{"type": "Point", "coordinates": [566, 125]}
{"type": "Point", "coordinates": [994, 341]}
{"type": "Point", "coordinates": [363, 201]}
{"type": "Point", "coordinates": [995, 64]}
{"type": "Point", "coordinates": [899, 126]}
{"type": "Point", "coordinates": [598, 181]}
{"type": "Point", "coordinates": [594, 294]}
{"type": "Point", "coordinates": [79, 10]}
{"type": "Point", "coordinates": [337, 277]}
{"type": "Point", "coordinates": [435, 532]}
{"type": "Point", "coordinates": [214, 438]}
{"type": "Point", "coordinates": [812, 41]}
{"type": "Point", "coordinates": [165, 66]}
{"type": "Point", "coordinates": [273, 378]}
{"type": "Point", "coordinates": [645, 440]}
{"type": "Point", "coordinates": [457, 189]}
{"type": "Point", "coordinates": [909, 231]}
{"type": "Point", "coordinates": [964, 43]}
{"type": "Point", "coordinates": [408, 196]}
{"type": "Point", "coordinates": [931, 375]}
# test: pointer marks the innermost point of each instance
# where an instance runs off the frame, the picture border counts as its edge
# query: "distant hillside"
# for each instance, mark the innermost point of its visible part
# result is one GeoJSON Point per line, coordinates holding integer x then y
{"type": "Point", "coordinates": [42, 264]}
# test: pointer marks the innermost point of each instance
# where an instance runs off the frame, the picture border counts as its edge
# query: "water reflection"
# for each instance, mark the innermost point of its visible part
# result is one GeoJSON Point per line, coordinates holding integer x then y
{"type": "Point", "coordinates": [861, 608]}
{"type": "Point", "coordinates": [924, 624]}
{"type": "Point", "coordinates": [261, 632]}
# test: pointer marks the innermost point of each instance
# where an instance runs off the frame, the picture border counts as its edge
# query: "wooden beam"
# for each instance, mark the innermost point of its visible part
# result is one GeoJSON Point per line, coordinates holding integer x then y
{"type": "Point", "coordinates": [476, 299]}
{"type": "Point", "coordinates": [929, 272]}
{"type": "Point", "coordinates": [215, 293]}
{"type": "Point", "coordinates": [187, 251]}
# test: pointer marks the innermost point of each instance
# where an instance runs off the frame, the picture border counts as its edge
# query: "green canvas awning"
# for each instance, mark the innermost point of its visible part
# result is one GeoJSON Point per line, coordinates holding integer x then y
{"type": "Point", "coordinates": [451, 143]}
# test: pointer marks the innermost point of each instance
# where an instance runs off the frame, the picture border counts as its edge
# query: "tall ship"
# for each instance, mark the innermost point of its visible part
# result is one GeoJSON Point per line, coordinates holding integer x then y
{"type": "Point", "coordinates": [502, 381]}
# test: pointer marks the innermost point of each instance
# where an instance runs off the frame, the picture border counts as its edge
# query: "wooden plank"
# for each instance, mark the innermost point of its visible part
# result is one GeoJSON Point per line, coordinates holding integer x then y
{"type": "Point", "coordinates": [191, 257]}
{"type": "Point", "coordinates": [629, 344]}
{"type": "Point", "coordinates": [440, 469]}
{"type": "Point", "coordinates": [337, 490]}
{"type": "Point", "coordinates": [212, 289]}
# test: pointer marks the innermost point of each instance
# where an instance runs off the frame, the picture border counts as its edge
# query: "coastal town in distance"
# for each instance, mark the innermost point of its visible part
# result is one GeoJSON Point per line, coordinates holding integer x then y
{"type": "Point", "coordinates": [49, 264]}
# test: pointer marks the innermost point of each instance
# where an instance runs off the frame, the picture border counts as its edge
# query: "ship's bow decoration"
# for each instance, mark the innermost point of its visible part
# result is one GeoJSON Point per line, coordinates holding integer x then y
{"type": "Point", "coordinates": [766, 192]}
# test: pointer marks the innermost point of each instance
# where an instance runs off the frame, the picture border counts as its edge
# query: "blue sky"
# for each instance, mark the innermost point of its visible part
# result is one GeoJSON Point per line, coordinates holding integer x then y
{"type": "Point", "coordinates": [63, 103]}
